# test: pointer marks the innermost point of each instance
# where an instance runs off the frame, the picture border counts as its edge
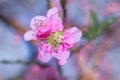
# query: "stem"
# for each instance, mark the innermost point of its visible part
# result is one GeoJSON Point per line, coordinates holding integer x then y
{"type": "Point", "coordinates": [16, 62]}
{"type": "Point", "coordinates": [63, 4]}
{"type": "Point", "coordinates": [59, 69]}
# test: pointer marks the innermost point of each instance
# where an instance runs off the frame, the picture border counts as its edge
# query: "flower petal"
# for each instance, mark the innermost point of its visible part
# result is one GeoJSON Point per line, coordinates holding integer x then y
{"type": "Point", "coordinates": [30, 35]}
{"type": "Point", "coordinates": [55, 21]}
{"type": "Point", "coordinates": [52, 11]}
{"type": "Point", "coordinates": [44, 52]}
{"type": "Point", "coordinates": [37, 22]}
{"type": "Point", "coordinates": [72, 35]}
{"type": "Point", "coordinates": [43, 36]}
{"type": "Point", "coordinates": [56, 24]}
{"type": "Point", "coordinates": [62, 55]}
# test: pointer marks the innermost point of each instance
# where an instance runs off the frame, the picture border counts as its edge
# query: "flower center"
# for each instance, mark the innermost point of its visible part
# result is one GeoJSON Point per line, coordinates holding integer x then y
{"type": "Point", "coordinates": [55, 39]}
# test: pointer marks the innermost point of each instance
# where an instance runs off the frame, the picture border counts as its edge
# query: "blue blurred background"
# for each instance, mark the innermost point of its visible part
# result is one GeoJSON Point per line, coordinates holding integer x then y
{"type": "Point", "coordinates": [103, 50]}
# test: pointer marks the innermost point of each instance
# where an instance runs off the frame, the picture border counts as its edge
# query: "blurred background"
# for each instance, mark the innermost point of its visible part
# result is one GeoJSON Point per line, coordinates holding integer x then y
{"type": "Point", "coordinates": [95, 57]}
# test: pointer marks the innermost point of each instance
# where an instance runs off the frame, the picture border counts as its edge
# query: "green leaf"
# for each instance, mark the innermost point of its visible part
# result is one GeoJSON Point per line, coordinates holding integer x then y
{"type": "Point", "coordinates": [85, 35]}
{"type": "Point", "coordinates": [94, 24]}
{"type": "Point", "coordinates": [94, 20]}
{"type": "Point", "coordinates": [105, 24]}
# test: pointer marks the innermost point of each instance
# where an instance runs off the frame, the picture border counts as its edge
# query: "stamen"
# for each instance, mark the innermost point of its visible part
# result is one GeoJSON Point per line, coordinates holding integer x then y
{"type": "Point", "coordinates": [55, 39]}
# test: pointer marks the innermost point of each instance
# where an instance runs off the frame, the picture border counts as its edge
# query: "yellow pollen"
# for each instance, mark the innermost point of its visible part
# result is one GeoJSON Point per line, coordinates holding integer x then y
{"type": "Point", "coordinates": [55, 39]}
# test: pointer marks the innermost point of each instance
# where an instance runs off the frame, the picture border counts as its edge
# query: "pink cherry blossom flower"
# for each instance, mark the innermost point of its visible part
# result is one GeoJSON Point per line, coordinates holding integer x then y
{"type": "Point", "coordinates": [57, 45]}
{"type": "Point", "coordinates": [42, 26]}
{"type": "Point", "coordinates": [54, 41]}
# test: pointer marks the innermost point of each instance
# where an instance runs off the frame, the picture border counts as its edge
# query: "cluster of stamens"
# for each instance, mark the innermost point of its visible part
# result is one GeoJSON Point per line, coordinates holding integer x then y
{"type": "Point", "coordinates": [55, 39]}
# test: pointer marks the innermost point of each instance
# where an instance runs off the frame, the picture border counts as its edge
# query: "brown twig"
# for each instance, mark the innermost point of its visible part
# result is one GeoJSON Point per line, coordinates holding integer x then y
{"type": "Point", "coordinates": [63, 4]}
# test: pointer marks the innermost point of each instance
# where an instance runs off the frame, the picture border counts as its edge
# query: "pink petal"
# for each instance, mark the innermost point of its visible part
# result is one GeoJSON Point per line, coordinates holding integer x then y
{"type": "Point", "coordinates": [44, 57]}
{"type": "Point", "coordinates": [52, 11]}
{"type": "Point", "coordinates": [43, 35]}
{"type": "Point", "coordinates": [55, 21]}
{"type": "Point", "coordinates": [36, 22]}
{"type": "Point", "coordinates": [56, 24]}
{"type": "Point", "coordinates": [62, 55]}
{"type": "Point", "coordinates": [72, 35]}
{"type": "Point", "coordinates": [30, 35]}
{"type": "Point", "coordinates": [44, 53]}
